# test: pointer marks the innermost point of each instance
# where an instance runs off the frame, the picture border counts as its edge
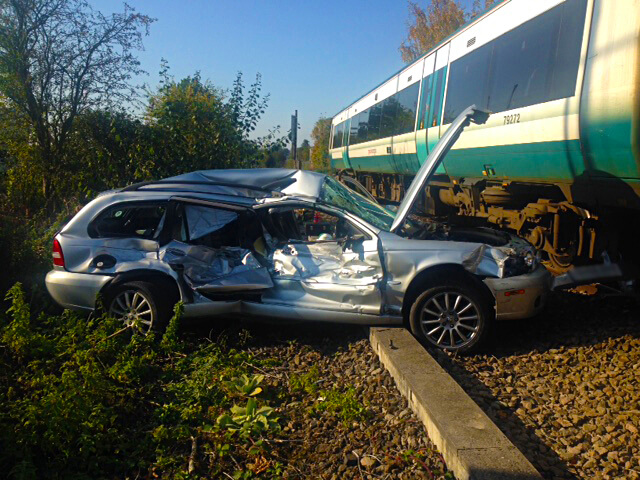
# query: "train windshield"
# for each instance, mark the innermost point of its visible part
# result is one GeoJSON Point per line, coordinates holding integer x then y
{"type": "Point", "coordinates": [335, 194]}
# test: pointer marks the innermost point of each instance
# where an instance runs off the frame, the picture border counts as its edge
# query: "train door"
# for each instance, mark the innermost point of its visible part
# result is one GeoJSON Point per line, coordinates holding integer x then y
{"type": "Point", "coordinates": [424, 110]}
{"type": "Point", "coordinates": [337, 149]}
{"type": "Point", "coordinates": [437, 96]}
{"type": "Point", "coordinates": [432, 113]}
{"type": "Point", "coordinates": [437, 100]}
{"type": "Point", "coordinates": [345, 144]}
{"type": "Point", "coordinates": [610, 104]}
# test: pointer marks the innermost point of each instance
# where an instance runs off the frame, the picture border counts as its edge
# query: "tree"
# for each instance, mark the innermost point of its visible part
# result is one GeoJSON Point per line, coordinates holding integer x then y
{"type": "Point", "coordinates": [196, 125]}
{"type": "Point", "coordinates": [194, 128]}
{"type": "Point", "coordinates": [16, 150]}
{"type": "Point", "coordinates": [320, 150]}
{"type": "Point", "coordinates": [248, 110]}
{"type": "Point", "coordinates": [304, 153]}
{"type": "Point", "coordinates": [59, 59]}
{"type": "Point", "coordinates": [274, 157]}
{"type": "Point", "coordinates": [440, 19]}
{"type": "Point", "coordinates": [480, 6]}
{"type": "Point", "coordinates": [106, 150]}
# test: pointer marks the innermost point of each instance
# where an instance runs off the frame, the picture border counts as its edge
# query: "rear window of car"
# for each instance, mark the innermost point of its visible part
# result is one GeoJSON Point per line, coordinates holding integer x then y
{"type": "Point", "coordinates": [128, 220]}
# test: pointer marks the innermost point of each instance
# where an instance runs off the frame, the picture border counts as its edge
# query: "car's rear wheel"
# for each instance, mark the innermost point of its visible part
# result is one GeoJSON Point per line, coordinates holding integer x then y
{"type": "Point", "coordinates": [455, 317]}
{"type": "Point", "coordinates": [139, 305]}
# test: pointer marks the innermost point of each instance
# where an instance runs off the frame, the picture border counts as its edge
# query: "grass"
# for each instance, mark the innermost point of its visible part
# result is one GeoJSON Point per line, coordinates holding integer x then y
{"type": "Point", "coordinates": [343, 404]}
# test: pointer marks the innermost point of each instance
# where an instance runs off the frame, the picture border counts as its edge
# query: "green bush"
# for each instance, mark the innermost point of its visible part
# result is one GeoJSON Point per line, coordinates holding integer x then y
{"type": "Point", "coordinates": [83, 398]}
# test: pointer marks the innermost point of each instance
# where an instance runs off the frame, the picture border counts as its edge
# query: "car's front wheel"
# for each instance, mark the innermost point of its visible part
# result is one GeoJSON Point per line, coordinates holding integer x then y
{"type": "Point", "coordinates": [139, 306]}
{"type": "Point", "coordinates": [455, 317]}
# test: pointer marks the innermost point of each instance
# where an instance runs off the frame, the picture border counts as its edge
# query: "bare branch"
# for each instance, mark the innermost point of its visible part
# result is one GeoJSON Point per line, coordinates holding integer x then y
{"type": "Point", "coordinates": [60, 58]}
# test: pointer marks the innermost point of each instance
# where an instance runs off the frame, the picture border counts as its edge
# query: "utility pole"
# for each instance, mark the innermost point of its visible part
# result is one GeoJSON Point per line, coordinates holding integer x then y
{"type": "Point", "coordinates": [294, 140]}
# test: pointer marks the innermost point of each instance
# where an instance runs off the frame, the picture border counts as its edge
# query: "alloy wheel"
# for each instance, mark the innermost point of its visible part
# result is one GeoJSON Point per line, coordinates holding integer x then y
{"type": "Point", "coordinates": [134, 309]}
{"type": "Point", "coordinates": [450, 320]}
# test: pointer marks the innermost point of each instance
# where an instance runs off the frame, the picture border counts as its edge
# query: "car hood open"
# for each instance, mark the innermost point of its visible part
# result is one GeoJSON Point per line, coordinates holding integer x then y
{"type": "Point", "coordinates": [435, 158]}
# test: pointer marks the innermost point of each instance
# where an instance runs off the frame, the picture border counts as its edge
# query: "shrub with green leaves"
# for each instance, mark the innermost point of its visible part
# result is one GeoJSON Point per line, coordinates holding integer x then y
{"type": "Point", "coordinates": [250, 420]}
{"type": "Point", "coordinates": [83, 398]}
{"type": "Point", "coordinates": [244, 385]}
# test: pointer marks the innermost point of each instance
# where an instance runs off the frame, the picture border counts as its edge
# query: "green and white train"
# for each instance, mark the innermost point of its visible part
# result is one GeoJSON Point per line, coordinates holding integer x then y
{"type": "Point", "coordinates": [558, 160]}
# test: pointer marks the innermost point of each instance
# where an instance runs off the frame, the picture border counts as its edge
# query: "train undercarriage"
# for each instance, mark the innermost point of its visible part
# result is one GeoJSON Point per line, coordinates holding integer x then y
{"type": "Point", "coordinates": [544, 214]}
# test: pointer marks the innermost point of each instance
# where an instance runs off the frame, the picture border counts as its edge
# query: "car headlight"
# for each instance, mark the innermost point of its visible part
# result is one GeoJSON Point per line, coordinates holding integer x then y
{"type": "Point", "coordinates": [521, 264]}
{"type": "Point", "coordinates": [532, 260]}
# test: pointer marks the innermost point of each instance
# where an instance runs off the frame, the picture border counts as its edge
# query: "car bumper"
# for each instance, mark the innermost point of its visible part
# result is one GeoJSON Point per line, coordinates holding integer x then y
{"type": "Point", "coordinates": [522, 296]}
{"type": "Point", "coordinates": [77, 291]}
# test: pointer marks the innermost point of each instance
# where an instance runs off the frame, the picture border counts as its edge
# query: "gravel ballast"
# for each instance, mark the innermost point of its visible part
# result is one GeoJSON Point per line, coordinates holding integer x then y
{"type": "Point", "coordinates": [342, 415]}
{"type": "Point", "coordinates": [564, 387]}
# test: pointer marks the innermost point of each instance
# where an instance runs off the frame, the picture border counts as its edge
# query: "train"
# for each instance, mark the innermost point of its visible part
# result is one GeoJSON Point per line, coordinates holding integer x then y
{"type": "Point", "coordinates": [558, 160]}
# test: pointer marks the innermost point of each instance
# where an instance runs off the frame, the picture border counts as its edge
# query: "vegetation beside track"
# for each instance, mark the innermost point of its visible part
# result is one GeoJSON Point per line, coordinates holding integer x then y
{"type": "Point", "coordinates": [86, 398]}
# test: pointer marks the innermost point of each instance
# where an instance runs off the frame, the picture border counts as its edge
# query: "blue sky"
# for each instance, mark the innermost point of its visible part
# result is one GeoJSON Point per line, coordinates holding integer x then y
{"type": "Point", "coordinates": [315, 57]}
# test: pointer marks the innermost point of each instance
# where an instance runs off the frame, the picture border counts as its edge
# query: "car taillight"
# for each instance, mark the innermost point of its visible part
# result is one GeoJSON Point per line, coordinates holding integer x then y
{"type": "Point", "coordinates": [58, 257]}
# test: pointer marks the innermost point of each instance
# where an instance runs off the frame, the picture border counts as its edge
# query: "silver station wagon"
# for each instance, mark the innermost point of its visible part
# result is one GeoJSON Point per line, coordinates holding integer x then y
{"type": "Point", "coordinates": [295, 245]}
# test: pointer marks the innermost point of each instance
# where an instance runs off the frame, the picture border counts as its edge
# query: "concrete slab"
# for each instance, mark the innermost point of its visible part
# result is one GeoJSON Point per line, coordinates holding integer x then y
{"type": "Point", "coordinates": [471, 444]}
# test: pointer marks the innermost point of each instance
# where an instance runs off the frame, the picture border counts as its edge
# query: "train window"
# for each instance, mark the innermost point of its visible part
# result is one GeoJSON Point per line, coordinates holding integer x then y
{"type": "Point", "coordinates": [425, 102]}
{"type": "Point", "coordinates": [389, 109]}
{"type": "Point", "coordinates": [468, 82]}
{"type": "Point", "coordinates": [353, 130]}
{"type": "Point", "coordinates": [358, 131]}
{"type": "Point", "coordinates": [534, 63]}
{"type": "Point", "coordinates": [337, 135]}
{"type": "Point", "coordinates": [523, 60]}
{"type": "Point", "coordinates": [363, 123]}
{"type": "Point", "coordinates": [406, 113]}
{"type": "Point", "coordinates": [567, 61]}
{"type": "Point", "coordinates": [375, 118]}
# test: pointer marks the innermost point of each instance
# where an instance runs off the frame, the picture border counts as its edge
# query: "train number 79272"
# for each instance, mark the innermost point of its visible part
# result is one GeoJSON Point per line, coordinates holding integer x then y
{"type": "Point", "coordinates": [509, 119]}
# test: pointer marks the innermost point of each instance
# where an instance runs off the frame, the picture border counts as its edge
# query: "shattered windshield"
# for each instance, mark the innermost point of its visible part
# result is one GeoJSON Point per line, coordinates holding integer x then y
{"type": "Point", "coordinates": [335, 194]}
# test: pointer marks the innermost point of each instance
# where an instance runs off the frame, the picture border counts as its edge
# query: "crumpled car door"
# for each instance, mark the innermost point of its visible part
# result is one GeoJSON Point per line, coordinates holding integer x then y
{"type": "Point", "coordinates": [327, 275]}
{"type": "Point", "coordinates": [217, 271]}
{"type": "Point", "coordinates": [205, 252]}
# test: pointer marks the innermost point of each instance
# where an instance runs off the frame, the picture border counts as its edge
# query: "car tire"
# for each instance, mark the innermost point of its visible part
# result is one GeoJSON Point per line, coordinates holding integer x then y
{"type": "Point", "coordinates": [456, 316]}
{"type": "Point", "coordinates": [140, 304]}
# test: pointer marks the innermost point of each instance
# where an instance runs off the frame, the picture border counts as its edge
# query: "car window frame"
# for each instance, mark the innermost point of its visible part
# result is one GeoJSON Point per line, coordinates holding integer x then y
{"type": "Point", "coordinates": [128, 204]}
{"type": "Point", "coordinates": [355, 221]}
{"type": "Point", "coordinates": [166, 234]}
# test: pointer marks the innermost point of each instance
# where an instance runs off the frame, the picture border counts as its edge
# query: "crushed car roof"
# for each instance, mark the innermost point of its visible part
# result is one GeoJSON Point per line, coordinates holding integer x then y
{"type": "Point", "coordinates": [258, 182]}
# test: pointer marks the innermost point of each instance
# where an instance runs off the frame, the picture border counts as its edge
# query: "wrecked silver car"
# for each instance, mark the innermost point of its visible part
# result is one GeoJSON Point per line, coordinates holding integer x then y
{"type": "Point", "coordinates": [293, 244]}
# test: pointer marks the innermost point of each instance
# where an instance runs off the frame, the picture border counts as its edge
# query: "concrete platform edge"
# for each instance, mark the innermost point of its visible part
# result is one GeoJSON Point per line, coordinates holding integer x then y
{"type": "Point", "coordinates": [473, 447]}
